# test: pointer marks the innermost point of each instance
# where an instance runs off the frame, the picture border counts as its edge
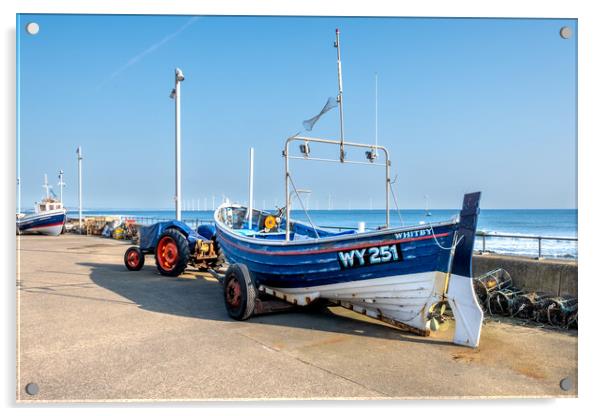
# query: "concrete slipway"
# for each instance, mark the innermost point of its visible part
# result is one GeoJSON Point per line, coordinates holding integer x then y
{"type": "Point", "coordinates": [89, 330]}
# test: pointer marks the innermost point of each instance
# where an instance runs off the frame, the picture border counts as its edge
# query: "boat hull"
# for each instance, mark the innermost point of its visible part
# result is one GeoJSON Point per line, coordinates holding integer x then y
{"type": "Point", "coordinates": [47, 223]}
{"type": "Point", "coordinates": [340, 260]}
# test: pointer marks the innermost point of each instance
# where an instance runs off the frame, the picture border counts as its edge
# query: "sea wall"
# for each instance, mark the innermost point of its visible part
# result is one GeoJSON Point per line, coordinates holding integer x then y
{"type": "Point", "coordinates": [554, 276]}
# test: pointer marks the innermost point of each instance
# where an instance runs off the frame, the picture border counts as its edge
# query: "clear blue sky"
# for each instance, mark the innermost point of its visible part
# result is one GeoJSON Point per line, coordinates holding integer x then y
{"type": "Point", "coordinates": [464, 105]}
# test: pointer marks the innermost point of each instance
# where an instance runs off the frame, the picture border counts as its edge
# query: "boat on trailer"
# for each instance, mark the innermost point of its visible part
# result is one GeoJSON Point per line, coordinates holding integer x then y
{"type": "Point", "coordinates": [405, 276]}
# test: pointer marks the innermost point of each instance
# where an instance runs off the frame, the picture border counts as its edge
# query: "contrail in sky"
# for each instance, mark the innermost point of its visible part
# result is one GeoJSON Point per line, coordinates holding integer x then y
{"type": "Point", "coordinates": [137, 58]}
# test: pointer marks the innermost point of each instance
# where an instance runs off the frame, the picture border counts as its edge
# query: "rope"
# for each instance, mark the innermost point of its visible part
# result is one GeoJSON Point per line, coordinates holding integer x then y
{"type": "Point", "coordinates": [454, 243]}
{"type": "Point", "coordinates": [302, 206]}
{"type": "Point", "coordinates": [395, 199]}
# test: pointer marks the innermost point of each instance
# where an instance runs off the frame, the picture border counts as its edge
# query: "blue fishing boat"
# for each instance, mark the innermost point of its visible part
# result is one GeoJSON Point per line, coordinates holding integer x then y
{"type": "Point", "coordinates": [405, 276]}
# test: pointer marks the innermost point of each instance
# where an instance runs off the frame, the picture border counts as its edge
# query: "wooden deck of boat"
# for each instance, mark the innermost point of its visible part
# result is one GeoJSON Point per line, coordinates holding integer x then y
{"type": "Point", "coordinates": [89, 330]}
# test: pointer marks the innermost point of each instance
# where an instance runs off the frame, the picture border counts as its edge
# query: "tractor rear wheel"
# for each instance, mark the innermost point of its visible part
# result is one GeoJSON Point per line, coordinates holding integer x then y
{"type": "Point", "coordinates": [172, 253]}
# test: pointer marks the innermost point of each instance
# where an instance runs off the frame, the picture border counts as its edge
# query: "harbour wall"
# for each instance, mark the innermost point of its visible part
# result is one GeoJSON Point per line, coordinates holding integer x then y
{"type": "Point", "coordinates": [553, 276]}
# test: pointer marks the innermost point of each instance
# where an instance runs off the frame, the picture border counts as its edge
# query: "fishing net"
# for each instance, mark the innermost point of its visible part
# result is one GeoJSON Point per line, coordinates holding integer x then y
{"type": "Point", "coordinates": [529, 305]}
{"type": "Point", "coordinates": [502, 301]}
{"type": "Point", "coordinates": [330, 104]}
{"type": "Point", "coordinates": [558, 311]}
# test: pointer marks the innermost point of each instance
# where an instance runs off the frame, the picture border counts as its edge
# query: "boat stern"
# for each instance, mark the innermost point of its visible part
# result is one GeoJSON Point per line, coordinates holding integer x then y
{"type": "Point", "coordinates": [460, 291]}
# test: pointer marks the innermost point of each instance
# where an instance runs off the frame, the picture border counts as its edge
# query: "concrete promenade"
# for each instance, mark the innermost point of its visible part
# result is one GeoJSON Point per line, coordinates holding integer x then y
{"type": "Point", "coordinates": [89, 330]}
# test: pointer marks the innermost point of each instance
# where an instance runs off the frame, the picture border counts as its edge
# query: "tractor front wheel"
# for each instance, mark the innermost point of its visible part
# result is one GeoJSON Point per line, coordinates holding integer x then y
{"type": "Point", "coordinates": [133, 259]}
{"type": "Point", "coordinates": [172, 253]}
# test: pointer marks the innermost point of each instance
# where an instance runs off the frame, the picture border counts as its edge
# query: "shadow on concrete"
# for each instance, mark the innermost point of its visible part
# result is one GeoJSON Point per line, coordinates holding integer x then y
{"type": "Point", "coordinates": [198, 296]}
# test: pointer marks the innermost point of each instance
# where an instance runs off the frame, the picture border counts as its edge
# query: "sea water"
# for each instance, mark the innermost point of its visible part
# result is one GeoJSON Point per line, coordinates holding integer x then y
{"type": "Point", "coordinates": [517, 222]}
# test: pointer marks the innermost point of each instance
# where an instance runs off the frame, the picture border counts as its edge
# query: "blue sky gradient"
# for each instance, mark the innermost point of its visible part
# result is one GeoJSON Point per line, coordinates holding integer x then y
{"type": "Point", "coordinates": [464, 105]}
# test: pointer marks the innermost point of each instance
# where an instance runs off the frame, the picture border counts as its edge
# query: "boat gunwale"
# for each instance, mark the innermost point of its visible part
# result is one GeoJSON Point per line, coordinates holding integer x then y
{"type": "Point", "coordinates": [335, 238]}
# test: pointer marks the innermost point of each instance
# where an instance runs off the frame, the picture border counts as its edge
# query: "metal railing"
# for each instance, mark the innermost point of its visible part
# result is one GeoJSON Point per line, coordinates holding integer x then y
{"type": "Point", "coordinates": [539, 238]}
{"type": "Point", "coordinates": [482, 235]}
{"type": "Point", "coordinates": [191, 222]}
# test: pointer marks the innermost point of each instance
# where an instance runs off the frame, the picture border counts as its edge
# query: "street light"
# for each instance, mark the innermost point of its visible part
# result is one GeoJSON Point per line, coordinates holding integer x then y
{"type": "Point", "coordinates": [61, 183]}
{"type": "Point", "coordinates": [79, 180]}
{"type": "Point", "coordinates": [175, 94]}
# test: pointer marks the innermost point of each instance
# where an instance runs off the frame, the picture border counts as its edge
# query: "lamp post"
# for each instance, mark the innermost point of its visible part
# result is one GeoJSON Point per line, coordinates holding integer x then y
{"type": "Point", "coordinates": [79, 180]}
{"type": "Point", "coordinates": [61, 183]}
{"type": "Point", "coordinates": [18, 195]}
{"type": "Point", "coordinates": [175, 94]}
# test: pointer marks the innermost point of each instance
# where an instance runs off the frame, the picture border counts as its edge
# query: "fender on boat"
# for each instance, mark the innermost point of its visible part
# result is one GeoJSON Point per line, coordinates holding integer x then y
{"type": "Point", "coordinates": [460, 292]}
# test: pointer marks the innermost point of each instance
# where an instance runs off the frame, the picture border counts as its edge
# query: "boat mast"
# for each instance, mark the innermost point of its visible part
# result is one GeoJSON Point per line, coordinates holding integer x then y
{"type": "Point", "coordinates": [287, 207]}
{"type": "Point", "coordinates": [46, 186]}
{"type": "Point", "coordinates": [376, 109]}
{"type": "Point", "coordinates": [340, 96]}
{"type": "Point", "coordinates": [250, 207]}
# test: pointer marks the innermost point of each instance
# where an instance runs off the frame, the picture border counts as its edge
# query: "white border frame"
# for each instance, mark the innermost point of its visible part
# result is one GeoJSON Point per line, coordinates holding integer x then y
{"type": "Point", "coordinates": [590, 67]}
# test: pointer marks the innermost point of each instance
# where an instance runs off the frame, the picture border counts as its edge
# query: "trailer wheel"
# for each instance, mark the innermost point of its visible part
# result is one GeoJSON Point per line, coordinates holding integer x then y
{"type": "Point", "coordinates": [172, 253]}
{"type": "Point", "coordinates": [133, 259]}
{"type": "Point", "coordinates": [239, 292]}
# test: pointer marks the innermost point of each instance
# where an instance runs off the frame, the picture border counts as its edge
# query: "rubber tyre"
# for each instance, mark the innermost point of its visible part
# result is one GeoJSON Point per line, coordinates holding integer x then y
{"type": "Point", "coordinates": [239, 305]}
{"type": "Point", "coordinates": [221, 259]}
{"type": "Point", "coordinates": [133, 259]}
{"type": "Point", "coordinates": [178, 246]}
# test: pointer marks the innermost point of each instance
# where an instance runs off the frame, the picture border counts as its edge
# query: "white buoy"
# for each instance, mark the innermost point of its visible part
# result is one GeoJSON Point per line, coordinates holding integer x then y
{"type": "Point", "coordinates": [361, 227]}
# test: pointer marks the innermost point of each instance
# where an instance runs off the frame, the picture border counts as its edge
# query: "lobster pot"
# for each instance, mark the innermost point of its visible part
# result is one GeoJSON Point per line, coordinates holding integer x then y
{"type": "Point", "coordinates": [501, 302]}
{"type": "Point", "coordinates": [558, 310]}
{"type": "Point", "coordinates": [572, 320]}
{"type": "Point", "coordinates": [490, 282]}
{"type": "Point", "coordinates": [529, 305]}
